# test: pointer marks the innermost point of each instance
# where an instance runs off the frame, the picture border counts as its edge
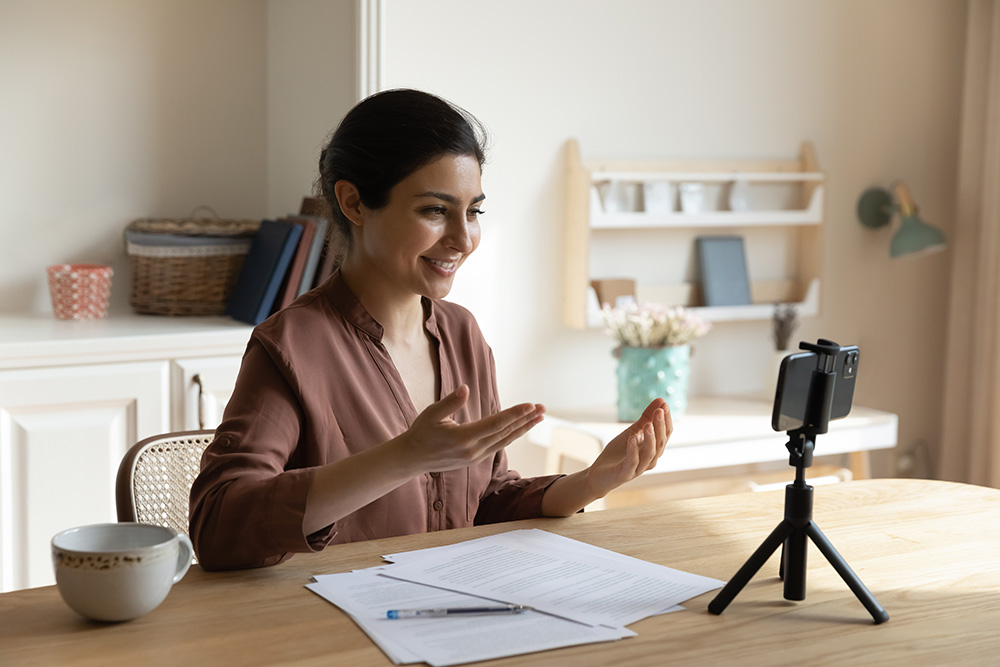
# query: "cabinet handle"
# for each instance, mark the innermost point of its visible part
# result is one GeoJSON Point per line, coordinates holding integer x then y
{"type": "Point", "coordinates": [201, 398]}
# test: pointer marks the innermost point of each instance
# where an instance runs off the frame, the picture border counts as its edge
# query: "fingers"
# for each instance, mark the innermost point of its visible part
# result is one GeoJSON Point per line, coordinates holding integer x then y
{"type": "Point", "coordinates": [658, 432]}
{"type": "Point", "coordinates": [439, 442]}
{"type": "Point", "coordinates": [647, 415]}
{"type": "Point", "coordinates": [513, 435]}
{"type": "Point", "coordinates": [656, 426]}
{"type": "Point", "coordinates": [501, 424]}
{"type": "Point", "coordinates": [487, 436]}
{"type": "Point", "coordinates": [654, 405]}
{"type": "Point", "coordinates": [668, 420]}
{"type": "Point", "coordinates": [663, 427]}
{"type": "Point", "coordinates": [448, 405]}
{"type": "Point", "coordinates": [646, 452]}
{"type": "Point", "coordinates": [633, 458]}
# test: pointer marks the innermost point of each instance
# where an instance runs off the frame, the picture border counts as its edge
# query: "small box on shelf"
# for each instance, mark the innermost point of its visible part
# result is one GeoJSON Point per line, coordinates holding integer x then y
{"type": "Point", "coordinates": [614, 292]}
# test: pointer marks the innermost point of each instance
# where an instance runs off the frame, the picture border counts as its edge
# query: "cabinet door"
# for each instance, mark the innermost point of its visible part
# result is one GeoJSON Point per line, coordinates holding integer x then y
{"type": "Point", "coordinates": [63, 432]}
{"type": "Point", "coordinates": [202, 388]}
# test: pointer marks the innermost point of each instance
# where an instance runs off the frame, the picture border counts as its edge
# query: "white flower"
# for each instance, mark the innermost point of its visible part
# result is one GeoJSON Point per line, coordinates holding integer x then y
{"type": "Point", "coordinates": [653, 325]}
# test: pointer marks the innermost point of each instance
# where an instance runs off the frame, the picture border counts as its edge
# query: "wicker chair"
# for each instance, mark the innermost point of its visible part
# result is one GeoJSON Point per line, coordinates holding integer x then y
{"type": "Point", "coordinates": [155, 478]}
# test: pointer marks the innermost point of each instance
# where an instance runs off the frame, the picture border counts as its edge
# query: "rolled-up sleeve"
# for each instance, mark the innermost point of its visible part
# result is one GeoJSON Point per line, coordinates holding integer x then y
{"type": "Point", "coordinates": [246, 507]}
{"type": "Point", "coordinates": [510, 497]}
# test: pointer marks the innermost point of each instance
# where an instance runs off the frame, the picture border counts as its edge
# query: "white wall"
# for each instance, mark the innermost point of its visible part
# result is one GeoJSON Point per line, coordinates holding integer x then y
{"type": "Point", "coordinates": [875, 85]}
{"type": "Point", "coordinates": [311, 83]}
{"type": "Point", "coordinates": [118, 109]}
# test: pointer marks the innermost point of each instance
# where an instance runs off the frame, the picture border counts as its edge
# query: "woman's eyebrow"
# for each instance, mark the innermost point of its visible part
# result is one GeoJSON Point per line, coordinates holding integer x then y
{"type": "Point", "coordinates": [451, 199]}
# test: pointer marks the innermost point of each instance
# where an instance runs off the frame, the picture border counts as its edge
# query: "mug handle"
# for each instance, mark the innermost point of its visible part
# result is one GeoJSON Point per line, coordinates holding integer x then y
{"type": "Point", "coordinates": [185, 554]}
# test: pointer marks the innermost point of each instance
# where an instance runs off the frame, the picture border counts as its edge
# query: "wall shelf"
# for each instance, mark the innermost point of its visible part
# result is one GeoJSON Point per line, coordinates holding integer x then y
{"type": "Point", "coordinates": [781, 222]}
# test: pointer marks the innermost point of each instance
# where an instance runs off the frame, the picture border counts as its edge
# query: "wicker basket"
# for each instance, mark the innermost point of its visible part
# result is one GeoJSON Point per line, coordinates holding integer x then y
{"type": "Point", "coordinates": [186, 266]}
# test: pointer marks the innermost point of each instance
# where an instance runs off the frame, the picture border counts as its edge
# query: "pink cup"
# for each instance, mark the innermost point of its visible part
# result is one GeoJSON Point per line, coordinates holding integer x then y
{"type": "Point", "coordinates": [80, 291]}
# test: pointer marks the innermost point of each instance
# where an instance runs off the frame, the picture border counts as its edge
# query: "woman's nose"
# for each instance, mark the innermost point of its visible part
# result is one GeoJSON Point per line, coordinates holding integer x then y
{"type": "Point", "coordinates": [460, 236]}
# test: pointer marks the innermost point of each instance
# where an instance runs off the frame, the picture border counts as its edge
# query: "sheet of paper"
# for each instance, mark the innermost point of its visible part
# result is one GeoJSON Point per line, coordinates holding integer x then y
{"type": "Point", "coordinates": [553, 574]}
{"type": "Point", "coordinates": [403, 556]}
{"type": "Point", "coordinates": [366, 596]}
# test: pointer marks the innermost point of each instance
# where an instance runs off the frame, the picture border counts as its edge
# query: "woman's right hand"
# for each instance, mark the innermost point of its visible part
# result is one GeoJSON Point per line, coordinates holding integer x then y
{"type": "Point", "coordinates": [436, 442]}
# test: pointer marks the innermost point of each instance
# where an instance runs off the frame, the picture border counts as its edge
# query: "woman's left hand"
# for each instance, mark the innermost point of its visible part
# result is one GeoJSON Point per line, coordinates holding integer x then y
{"type": "Point", "coordinates": [634, 451]}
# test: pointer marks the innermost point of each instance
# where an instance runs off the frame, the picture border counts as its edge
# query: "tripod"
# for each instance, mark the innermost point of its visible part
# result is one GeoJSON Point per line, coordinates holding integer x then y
{"type": "Point", "coordinates": [797, 524]}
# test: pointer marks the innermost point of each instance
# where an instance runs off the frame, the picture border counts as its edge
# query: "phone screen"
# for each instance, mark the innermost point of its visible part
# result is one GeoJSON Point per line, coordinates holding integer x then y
{"type": "Point", "coordinates": [794, 378]}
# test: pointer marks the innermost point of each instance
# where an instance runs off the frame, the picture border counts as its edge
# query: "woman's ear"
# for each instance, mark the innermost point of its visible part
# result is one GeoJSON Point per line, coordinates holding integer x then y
{"type": "Point", "coordinates": [349, 200]}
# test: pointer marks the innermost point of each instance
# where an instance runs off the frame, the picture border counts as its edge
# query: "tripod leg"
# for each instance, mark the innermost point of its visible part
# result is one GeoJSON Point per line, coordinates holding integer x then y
{"type": "Point", "coordinates": [793, 565]}
{"type": "Point", "coordinates": [754, 563]}
{"type": "Point", "coordinates": [879, 615]}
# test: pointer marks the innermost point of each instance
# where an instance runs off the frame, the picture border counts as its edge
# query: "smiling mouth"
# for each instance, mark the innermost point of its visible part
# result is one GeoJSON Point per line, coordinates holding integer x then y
{"type": "Point", "coordinates": [448, 266]}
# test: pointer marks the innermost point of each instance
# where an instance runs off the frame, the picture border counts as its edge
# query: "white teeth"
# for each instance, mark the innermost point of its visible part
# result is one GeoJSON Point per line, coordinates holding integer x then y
{"type": "Point", "coordinates": [444, 265]}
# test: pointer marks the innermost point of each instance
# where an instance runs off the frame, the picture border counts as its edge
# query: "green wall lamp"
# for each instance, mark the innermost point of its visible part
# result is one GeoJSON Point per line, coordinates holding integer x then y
{"type": "Point", "coordinates": [914, 236]}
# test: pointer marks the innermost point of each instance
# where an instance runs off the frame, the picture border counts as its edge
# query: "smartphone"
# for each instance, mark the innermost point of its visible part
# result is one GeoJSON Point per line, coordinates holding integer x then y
{"type": "Point", "coordinates": [795, 375]}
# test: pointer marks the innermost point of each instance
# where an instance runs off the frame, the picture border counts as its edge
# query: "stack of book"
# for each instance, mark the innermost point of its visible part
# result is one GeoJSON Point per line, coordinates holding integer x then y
{"type": "Point", "coordinates": [288, 257]}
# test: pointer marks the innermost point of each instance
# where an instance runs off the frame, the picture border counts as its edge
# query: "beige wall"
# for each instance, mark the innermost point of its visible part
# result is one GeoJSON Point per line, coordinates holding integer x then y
{"type": "Point", "coordinates": [117, 109]}
{"type": "Point", "coordinates": [311, 83]}
{"type": "Point", "coordinates": [875, 85]}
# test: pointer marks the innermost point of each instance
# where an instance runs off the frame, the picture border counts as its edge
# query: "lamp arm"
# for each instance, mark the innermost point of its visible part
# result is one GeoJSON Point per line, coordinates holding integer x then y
{"type": "Point", "coordinates": [904, 200]}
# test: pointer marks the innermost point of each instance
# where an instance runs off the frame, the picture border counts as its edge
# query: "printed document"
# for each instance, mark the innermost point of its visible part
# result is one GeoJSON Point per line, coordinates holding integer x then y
{"type": "Point", "coordinates": [553, 574]}
{"type": "Point", "coordinates": [366, 596]}
{"type": "Point", "coordinates": [578, 594]}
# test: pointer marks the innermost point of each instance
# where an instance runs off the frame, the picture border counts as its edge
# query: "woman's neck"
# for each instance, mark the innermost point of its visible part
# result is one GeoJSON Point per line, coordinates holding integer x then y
{"type": "Point", "coordinates": [401, 315]}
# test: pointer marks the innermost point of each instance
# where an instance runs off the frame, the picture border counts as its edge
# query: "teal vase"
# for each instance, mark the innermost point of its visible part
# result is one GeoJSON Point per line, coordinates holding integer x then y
{"type": "Point", "coordinates": [645, 373]}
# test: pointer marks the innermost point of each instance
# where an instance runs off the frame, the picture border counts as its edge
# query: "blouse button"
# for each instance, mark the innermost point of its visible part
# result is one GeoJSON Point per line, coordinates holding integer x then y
{"type": "Point", "coordinates": [435, 474]}
{"type": "Point", "coordinates": [438, 504]}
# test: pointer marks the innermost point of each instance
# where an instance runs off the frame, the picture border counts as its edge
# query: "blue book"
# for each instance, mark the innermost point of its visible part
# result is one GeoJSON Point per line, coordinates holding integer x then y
{"type": "Point", "coordinates": [722, 269]}
{"type": "Point", "coordinates": [264, 269]}
{"type": "Point", "coordinates": [312, 263]}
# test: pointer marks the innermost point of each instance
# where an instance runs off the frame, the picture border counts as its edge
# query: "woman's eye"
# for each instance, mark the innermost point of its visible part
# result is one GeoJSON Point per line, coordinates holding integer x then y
{"type": "Point", "coordinates": [435, 210]}
{"type": "Point", "coordinates": [476, 212]}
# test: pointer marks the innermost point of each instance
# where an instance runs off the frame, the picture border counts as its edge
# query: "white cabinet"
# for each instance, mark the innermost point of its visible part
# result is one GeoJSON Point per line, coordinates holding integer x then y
{"type": "Point", "coordinates": [201, 389]}
{"type": "Point", "coordinates": [74, 396]}
{"type": "Point", "coordinates": [612, 233]}
{"type": "Point", "coordinates": [63, 432]}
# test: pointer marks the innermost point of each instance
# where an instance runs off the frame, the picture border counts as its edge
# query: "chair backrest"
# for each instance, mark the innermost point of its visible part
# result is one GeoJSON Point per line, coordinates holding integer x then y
{"type": "Point", "coordinates": [155, 477]}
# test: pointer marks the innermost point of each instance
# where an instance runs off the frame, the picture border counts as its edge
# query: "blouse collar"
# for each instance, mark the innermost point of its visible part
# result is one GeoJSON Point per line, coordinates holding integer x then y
{"type": "Point", "coordinates": [348, 305]}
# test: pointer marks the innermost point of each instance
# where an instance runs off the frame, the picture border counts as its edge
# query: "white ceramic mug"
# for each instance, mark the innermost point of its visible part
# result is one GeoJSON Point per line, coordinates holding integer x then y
{"type": "Point", "coordinates": [692, 197]}
{"type": "Point", "coordinates": [118, 571]}
{"type": "Point", "coordinates": [658, 197]}
{"type": "Point", "coordinates": [620, 196]}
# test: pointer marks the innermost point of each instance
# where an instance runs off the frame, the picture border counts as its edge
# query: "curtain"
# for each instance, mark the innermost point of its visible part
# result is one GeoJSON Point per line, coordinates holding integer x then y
{"type": "Point", "coordinates": [970, 444]}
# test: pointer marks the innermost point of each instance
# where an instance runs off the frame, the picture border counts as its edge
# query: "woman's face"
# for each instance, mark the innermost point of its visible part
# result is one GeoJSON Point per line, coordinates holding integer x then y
{"type": "Point", "coordinates": [430, 226]}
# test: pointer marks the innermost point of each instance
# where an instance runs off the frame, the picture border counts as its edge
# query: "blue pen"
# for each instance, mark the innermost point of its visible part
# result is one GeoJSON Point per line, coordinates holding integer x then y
{"type": "Point", "coordinates": [456, 611]}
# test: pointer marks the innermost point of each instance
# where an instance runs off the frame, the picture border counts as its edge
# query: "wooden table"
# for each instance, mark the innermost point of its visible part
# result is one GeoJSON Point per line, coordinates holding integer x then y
{"type": "Point", "coordinates": [927, 550]}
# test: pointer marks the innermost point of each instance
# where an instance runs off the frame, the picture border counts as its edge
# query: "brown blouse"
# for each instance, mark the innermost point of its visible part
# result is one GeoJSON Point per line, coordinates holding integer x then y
{"type": "Point", "coordinates": [316, 386]}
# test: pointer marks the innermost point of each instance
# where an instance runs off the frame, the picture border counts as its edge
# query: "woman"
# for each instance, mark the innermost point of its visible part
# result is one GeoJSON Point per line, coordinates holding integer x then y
{"type": "Point", "coordinates": [368, 407]}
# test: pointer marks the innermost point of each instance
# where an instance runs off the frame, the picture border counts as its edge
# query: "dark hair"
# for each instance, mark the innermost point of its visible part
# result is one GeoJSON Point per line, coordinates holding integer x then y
{"type": "Point", "coordinates": [388, 136]}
